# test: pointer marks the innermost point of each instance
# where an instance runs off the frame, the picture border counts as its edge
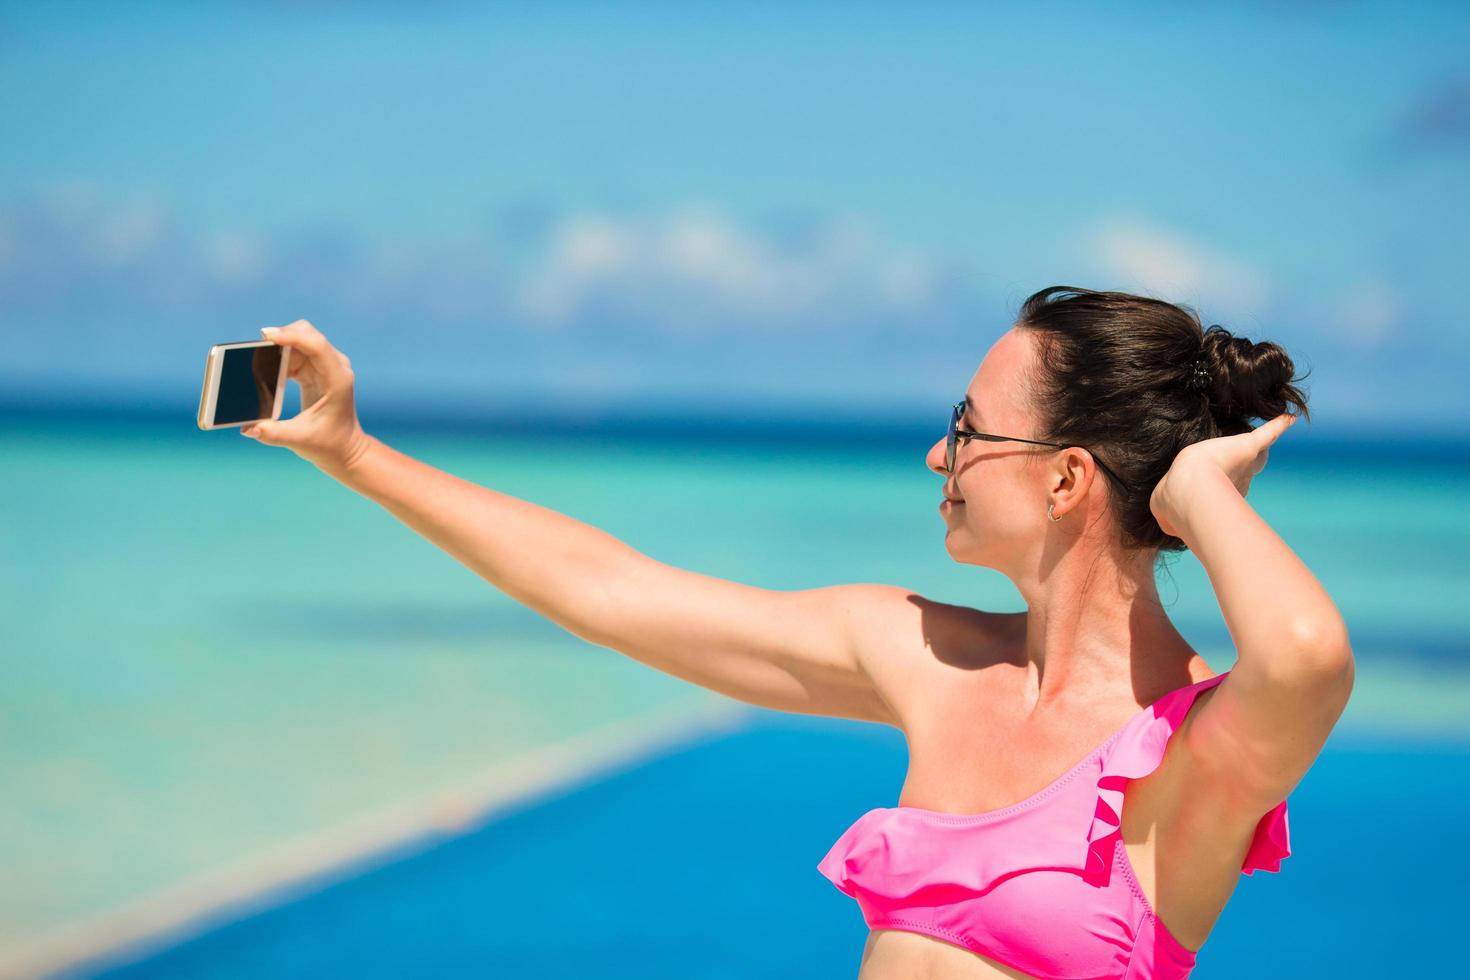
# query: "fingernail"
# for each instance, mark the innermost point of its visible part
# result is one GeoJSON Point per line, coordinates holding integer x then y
{"type": "Point", "coordinates": [269, 331]}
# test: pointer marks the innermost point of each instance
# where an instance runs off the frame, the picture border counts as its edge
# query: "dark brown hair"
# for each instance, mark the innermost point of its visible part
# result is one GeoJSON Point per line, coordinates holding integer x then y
{"type": "Point", "coordinates": [1114, 375]}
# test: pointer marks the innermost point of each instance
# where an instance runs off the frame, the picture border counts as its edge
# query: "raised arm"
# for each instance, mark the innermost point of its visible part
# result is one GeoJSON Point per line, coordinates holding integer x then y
{"type": "Point", "coordinates": [806, 651]}
{"type": "Point", "coordinates": [1264, 726]}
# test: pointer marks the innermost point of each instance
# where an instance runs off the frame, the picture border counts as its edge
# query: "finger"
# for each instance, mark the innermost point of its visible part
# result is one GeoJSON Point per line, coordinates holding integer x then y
{"type": "Point", "coordinates": [1270, 431]}
{"type": "Point", "coordinates": [306, 339]}
{"type": "Point", "coordinates": [264, 431]}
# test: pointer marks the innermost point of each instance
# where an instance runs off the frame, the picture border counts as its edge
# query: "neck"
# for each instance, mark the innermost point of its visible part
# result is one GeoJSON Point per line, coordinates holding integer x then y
{"type": "Point", "coordinates": [1096, 630]}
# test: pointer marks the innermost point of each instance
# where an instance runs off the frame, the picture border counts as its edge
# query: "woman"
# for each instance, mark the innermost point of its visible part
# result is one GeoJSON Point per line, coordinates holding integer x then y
{"type": "Point", "coordinates": [1083, 792]}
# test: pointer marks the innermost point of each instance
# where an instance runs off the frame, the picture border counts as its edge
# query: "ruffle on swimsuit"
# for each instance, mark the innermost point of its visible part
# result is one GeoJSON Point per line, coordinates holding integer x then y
{"type": "Point", "coordinates": [1138, 752]}
{"type": "Point", "coordinates": [1032, 885]}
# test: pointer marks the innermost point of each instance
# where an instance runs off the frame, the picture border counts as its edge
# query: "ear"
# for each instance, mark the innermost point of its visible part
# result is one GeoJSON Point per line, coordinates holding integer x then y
{"type": "Point", "coordinates": [1072, 472]}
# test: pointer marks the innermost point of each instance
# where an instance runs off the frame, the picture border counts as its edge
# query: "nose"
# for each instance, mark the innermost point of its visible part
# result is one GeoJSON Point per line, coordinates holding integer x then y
{"type": "Point", "coordinates": [937, 457]}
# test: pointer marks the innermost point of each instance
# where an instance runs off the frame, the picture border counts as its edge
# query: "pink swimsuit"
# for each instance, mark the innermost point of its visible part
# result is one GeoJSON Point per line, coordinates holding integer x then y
{"type": "Point", "coordinates": [1044, 885]}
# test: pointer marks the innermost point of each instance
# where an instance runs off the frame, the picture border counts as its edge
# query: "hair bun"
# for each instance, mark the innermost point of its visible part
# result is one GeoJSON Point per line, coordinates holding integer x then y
{"type": "Point", "coordinates": [1251, 380]}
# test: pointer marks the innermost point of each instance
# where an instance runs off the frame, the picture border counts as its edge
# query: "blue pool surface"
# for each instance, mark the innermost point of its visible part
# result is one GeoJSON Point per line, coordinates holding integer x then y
{"type": "Point", "coordinates": [700, 862]}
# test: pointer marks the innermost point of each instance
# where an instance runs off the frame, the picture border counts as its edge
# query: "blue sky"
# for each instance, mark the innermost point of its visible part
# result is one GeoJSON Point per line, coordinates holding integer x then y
{"type": "Point", "coordinates": [774, 207]}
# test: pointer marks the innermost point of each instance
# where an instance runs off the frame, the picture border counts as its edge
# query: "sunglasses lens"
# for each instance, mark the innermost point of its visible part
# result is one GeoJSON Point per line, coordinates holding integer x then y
{"type": "Point", "coordinates": [950, 444]}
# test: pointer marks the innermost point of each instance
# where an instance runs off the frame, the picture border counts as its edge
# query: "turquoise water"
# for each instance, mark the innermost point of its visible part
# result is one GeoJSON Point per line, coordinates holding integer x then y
{"type": "Point", "coordinates": [210, 647]}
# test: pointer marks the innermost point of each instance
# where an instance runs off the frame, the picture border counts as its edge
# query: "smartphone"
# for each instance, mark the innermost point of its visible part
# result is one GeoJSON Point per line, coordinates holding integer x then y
{"type": "Point", "coordinates": [244, 382]}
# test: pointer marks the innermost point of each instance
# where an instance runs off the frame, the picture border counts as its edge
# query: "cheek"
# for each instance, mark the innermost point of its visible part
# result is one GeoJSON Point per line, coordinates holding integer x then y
{"type": "Point", "coordinates": [992, 482]}
{"type": "Point", "coordinates": [1000, 499]}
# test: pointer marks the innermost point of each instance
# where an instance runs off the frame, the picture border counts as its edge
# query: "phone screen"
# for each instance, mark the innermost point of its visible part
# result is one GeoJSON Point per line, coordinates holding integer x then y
{"type": "Point", "coordinates": [247, 383]}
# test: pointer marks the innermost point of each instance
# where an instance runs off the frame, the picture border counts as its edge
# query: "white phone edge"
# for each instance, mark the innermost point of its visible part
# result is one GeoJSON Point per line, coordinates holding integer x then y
{"type": "Point", "coordinates": [209, 393]}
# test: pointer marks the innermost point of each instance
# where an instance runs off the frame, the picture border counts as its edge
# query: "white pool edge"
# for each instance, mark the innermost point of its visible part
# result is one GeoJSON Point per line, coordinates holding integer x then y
{"type": "Point", "coordinates": [174, 914]}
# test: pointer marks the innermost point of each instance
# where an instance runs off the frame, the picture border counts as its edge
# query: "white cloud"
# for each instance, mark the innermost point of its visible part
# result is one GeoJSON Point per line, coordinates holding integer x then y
{"type": "Point", "coordinates": [235, 257]}
{"type": "Point", "coordinates": [908, 281]}
{"type": "Point", "coordinates": [594, 247]}
{"type": "Point", "coordinates": [123, 236]}
{"type": "Point", "coordinates": [683, 270]}
{"type": "Point", "coordinates": [693, 266]}
{"type": "Point", "coordinates": [1171, 265]}
{"type": "Point", "coordinates": [1368, 311]}
{"type": "Point", "coordinates": [105, 233]}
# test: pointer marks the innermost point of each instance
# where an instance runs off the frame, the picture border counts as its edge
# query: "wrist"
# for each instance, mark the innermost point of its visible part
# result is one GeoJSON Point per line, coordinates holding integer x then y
{"type": "Point", "coordinates": [1190, 494]}
{"type": "Point", "coordinates": [361, 447]}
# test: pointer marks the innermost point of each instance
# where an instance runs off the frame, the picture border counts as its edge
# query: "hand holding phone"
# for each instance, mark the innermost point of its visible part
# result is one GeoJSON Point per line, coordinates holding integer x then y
{"type": "Point", "coordinates": [326, 431]}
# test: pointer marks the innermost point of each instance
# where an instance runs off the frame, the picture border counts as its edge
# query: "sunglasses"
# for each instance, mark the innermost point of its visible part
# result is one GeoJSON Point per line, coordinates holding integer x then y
{"type": "Point", "coordinates": [957, 435]}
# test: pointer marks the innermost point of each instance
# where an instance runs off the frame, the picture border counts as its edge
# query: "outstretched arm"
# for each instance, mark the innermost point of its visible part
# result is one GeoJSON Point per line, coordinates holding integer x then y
{"type": "Point", "coordinates": [794, 651]}
{"type": "Point", "coordinates": [806, 651]}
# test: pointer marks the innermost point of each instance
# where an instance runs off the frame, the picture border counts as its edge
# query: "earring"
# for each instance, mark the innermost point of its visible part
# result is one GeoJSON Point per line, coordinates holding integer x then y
{"type": "Point", "coordinates": [1050, 514]}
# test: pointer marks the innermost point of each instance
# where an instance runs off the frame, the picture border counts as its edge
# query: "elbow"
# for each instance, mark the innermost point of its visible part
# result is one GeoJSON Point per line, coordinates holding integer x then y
{"type": "Point", "coordinates": [1321, 647]}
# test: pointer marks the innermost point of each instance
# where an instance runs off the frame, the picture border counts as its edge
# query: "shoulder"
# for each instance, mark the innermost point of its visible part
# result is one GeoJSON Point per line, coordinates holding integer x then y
{"type": "Point", "coordinates": [907, 639]}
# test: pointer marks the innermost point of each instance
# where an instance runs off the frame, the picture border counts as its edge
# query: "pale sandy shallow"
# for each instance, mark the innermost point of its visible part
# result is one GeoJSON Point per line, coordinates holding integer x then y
{"type": "Point", "coordinates": [269, 874]}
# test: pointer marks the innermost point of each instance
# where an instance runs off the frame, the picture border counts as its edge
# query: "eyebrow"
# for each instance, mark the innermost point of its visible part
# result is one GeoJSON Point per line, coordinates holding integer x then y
{"type": "Point", "coordinates": [971, 410]}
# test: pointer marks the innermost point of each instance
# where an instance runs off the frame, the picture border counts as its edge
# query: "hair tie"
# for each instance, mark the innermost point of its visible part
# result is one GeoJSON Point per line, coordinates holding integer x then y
{"type": "Point", "coordinates": [1200, 377]}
